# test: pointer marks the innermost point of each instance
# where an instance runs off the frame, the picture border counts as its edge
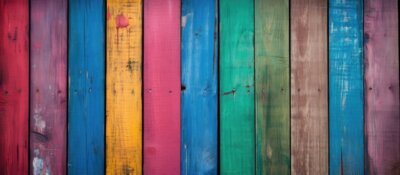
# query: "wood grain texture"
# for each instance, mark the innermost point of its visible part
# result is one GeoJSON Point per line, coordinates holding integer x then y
{"type": "Point", "coordinates": [382, 106]}
{"type": "Point", "coordinates": [48, 89]}
{"type": "Point", "coordinates": [309, 87]}
{"type": "Point", "coordinates": [124, 87]}
{"type": "Point", "coordinates": [199, 87]}
{"type": "Point", "coordinates": [272, 87]}
{"type": "Point", "coordinates": [346, 143]}
{"type": "Point", "coordinates": [86, 60]}
{"type": "Point", "coordinates": [162, 87]}
{"type": "Point", "coordinates": [14, 92]}
{"type": "Point", "coordinates": [237, 121]}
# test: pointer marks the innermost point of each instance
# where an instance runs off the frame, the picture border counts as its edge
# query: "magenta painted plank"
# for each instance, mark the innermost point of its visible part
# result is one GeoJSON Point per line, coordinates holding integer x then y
{"type": "Point", "coordinates": [48, 87]}
{"type": "Point", "coordinates": [162, 87]}
{"type": "Point", "coordinates": [382, 106]}
{"type": "Point", "coordinates": [14, 79]}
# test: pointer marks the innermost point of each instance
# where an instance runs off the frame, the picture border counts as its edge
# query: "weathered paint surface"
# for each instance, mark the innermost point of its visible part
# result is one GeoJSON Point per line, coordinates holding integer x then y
{"type": "Point", "coordinates": [382, 106]}
{"type": "Point", "coordinates": [199, 87]}
{"type": "Point", "coordinates": [272, 87]}
{"type": "Point", "coordinates": [86, 87]}
{"type": "Point", "coordinates": [14, 79]}
{"type": "Point", "coordinates": [237, 121]}
{"type": "Point", "coordinates": [309, 87]}
{"type": "Point", "coordinates": [162, 87]}
{"type": "Point", "coordinates": [346, 143]}
{"type": "Point", "coordinates": [48, 89]}
{"type": "Point", "coordinates": [124, 87]}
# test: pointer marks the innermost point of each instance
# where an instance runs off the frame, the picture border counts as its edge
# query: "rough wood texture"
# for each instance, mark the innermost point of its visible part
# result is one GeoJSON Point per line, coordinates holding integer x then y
{"type": "Point", "coordinates": [199, 87]}
{"type": "Point", "coordinates": [86, 87]}
{"type": "Point", "coordinates": [124, 87]}
{"type": "Point", "coordinates": [382, 106]}
{"type": "Point", "coordinates": [346, 143]}
{"type": "Point", "coordinates": [162, 87]}
{"type": "Point", "coordinates": [14, 73]}
{"type": "Point", "coordinates": [272, 87]}
{"type": "Point", "coordinates": [309, 96]}
{"type": "Point", "coordinates": [237, 130]}
{"type": "Point", "coordinates": [48, 90]}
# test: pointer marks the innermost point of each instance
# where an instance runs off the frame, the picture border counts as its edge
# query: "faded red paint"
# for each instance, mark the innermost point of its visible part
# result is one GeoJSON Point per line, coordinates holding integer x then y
{"type": "Point", "coordinates": [48, 89]}
{"type": "Point", "coordinates": [14, 78]}
{"type": "Point", "coordinates": [121, 21]}
{"type": "Point", "coordinates": [162, 87]}
{"type": "Point", "coordinates": [382, 106]}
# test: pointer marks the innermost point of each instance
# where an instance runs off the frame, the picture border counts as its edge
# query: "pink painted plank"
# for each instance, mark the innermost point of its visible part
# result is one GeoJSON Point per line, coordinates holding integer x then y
{"type": "Point", "coordinates": [14, 79]}
{"type": "Point", "coordinates": [382, 107]}
{"type": "Point", "coordinates": [161, 87]}
{"type": "Point", "coordinates": [48, 86]}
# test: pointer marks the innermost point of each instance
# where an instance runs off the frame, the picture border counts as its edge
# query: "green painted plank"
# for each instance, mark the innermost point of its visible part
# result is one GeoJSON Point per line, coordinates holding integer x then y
{"type": "Point", "coordinates": [237, 151]}
{"type": "Point", "coordinates": [272, 87]}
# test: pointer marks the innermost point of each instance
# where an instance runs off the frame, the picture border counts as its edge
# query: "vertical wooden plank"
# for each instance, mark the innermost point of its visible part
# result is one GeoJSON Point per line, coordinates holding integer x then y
{"type": "Point", "coordinates": [199, 87]}
{"type": "Point", "coordinates": [382, 106]}
{"type": "Point", "coordinates": [14, 78]}
{"type": "Point", "coordinates": [309, 87]}
{"type": "Point", "coordinates": [162, 87]}
{"type": "Point", "coordinates": [237, 130]}
{"type": "Point", "coordinates": [48, 90]}
{"type": "Point", "coordinates": [86, 74]}
{"type": "Point", "coordinates": [346, 87]}
{"type": "Point", "coordinates": [272, 87]}
{"type": "Point", "coordinates": [123, 91]}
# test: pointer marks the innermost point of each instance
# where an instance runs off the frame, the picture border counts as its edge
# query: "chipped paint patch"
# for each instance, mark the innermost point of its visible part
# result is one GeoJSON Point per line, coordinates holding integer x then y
{"type": "Point", "coordinates": [184, 19]}
{"type": "Point", "coordinates": [37, 163]}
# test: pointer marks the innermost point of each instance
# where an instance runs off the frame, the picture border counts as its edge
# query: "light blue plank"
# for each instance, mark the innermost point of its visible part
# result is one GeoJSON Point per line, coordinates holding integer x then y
{"type": "Point", "coordinates": [86, 87]}
{"type": "Point", "coordinates": [346, 87]}
{"type": "Point", "coordinates": [199, 83]}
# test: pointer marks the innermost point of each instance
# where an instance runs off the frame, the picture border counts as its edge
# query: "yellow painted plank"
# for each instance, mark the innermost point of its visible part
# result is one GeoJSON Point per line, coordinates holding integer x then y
{"type": "Point", "coordinates": [124, 104]}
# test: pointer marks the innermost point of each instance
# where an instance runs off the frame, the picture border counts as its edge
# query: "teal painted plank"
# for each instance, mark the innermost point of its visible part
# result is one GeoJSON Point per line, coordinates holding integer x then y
{"type": "Point", "coordinates": [346, 87]}
{"type": "Point", "coordinates": [199, 87]}
{"type": "Point", "coordinates": [237, 144]}
{"type": "Point", "coordinates": [86, 87]}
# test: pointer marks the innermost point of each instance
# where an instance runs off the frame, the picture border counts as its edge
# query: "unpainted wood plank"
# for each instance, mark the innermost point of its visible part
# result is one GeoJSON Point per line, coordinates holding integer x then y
{"type": "Point", "coordinates": [309, 87]}
{"type": "Point", "coordinates": [162, 87]}
{"type": "Point", "coordinates": [86, 60]}
{"type": "Point", "coordinates": [346, 99]}
{"type": "Point", "coordinates": [48, 87]}
{"type": "Point", "coordinates": [237, 117]}
{"type": "Point", "coordinates": [14, 87]}
{"type": "Point", "coordinates": [124, 87]}
{"type": "Point", "coordinates": [199, 87]}
{"type": "Point", "coordinates": [382, 106]}
{"type": "Point", "coordinates": [272, 87]}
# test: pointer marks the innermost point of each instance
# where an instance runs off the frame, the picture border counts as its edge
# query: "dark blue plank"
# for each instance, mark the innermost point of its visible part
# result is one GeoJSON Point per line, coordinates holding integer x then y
{"type": "Point", "coordinates": [86, 87]}
{"type": "Point", "coordinates": [346, 87]}
{"type": "Point", "coordinates": [199, 83]}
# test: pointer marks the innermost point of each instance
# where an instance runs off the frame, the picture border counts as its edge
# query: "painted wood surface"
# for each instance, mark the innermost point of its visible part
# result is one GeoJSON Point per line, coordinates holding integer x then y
{"type": "Point", "coordinates": [346, 148]}
{"type": "Point", "coordinates": [199, 87]}
{"type": "Point", "coordinates": [272, 87]}
{"type": "Point", "coordinates": [86, 60]}
{"type": "Point", "coordinates": [14, 79]}
{"type": "Point", "coordinates": [48, 87]}
{"type": "Point", "coordinates": [309, 87]}
{"type": "Point", "coordinates": [382, 106]}
{"type": "Point", "coordinates": [123, 87]}
{"type": "Point", "coordinates": [237, 121]}
{"type": "Point", "coordinates": [162, 87]}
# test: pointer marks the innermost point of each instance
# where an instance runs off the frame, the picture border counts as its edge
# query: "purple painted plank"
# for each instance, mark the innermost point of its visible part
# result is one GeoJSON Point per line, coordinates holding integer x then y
{"type": "Point", "coordinates": [382, 109]}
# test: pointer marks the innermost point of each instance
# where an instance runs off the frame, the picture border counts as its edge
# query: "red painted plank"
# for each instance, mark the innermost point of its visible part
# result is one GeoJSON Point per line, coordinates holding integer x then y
{"type": "Point", "coordinates": [161, 86]}
{"type": "Point", "coordinates": [48, 86]}
{"type": "Point", "coordinates": [382, 106]}
{"type": "Point", "coordinates": [14, 72]}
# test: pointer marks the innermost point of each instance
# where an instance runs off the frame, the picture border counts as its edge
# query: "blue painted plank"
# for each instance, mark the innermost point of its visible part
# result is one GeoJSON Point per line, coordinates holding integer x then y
{"type": "Point", "coordinates": [199, 87]}
{"type": "Point", "coordinates": [346, 87]}
{"type": "Point", "coordinates": [86, 87]}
